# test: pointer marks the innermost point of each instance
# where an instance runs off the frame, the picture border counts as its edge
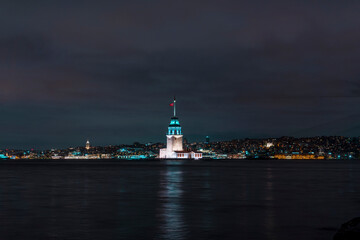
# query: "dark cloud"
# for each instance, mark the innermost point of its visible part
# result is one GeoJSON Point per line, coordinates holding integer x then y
{"type": "Point", "coordinates": [71, 70]}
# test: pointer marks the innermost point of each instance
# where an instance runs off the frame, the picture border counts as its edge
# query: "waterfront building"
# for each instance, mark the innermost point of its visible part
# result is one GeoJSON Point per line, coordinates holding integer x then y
{"type": "Point", "coordinates": [174, 141]}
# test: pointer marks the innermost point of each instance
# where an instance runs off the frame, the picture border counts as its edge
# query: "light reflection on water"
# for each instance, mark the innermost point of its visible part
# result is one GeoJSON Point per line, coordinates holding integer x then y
{"type": "Point", "coordinates": [172, 225]}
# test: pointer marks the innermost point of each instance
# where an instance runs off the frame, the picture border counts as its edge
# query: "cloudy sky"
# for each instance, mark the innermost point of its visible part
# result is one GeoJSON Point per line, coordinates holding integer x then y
{"type": "Point", "coordinates": [107, 70]}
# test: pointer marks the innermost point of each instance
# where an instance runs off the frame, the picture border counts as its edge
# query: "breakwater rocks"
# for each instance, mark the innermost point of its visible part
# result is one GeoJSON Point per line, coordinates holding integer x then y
{"type": "Point", "coordinates": [349, 230]}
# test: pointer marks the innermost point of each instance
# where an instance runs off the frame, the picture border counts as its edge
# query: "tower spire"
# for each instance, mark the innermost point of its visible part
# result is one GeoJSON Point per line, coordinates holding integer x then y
{"type": "Point", "coordinates": [174, 106]}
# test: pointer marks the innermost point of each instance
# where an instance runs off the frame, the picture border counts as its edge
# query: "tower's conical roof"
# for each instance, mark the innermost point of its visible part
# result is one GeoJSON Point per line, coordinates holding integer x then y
{"type": "Point", "coordinates": [174, 122]}
{"type": "Point", "coordinates": [174, 127]}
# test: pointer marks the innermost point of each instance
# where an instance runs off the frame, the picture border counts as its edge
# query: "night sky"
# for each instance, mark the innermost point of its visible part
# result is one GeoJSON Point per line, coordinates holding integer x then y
{"type": "Point", "coordinates": [107, 70]}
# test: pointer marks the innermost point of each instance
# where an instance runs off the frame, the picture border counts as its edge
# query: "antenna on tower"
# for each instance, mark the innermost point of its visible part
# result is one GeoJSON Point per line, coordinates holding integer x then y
{"type": "Point", "coordinates": [174, 106]}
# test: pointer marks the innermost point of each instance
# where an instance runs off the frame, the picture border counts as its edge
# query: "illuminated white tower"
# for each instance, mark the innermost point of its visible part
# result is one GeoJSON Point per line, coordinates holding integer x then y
{"type": "Point", "coordinates": [174, 137]}
{"type": "Point", "coordinates": [174, 141]}
{"type": "Point", "coordinates": [87, 145]}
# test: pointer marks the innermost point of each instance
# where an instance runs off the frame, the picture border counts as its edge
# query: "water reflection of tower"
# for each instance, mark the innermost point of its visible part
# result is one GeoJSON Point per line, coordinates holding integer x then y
{"type": "Point", "coordinates": [173, 225]}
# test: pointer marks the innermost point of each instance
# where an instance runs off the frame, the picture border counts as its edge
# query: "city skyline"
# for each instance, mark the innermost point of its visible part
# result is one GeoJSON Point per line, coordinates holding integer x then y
{"type": "Point", "coordinates": [321, 148]}
{"type": "Point", "coordinates": [71, 71]}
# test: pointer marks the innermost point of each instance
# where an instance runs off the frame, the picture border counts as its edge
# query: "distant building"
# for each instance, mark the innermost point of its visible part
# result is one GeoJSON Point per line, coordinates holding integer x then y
{"type": "Point", "coordinates": [207, 140]}
{"type": "Point", "coordinates": [174, 141]}
{"type": "Point", "coordinates": [87, 145]}
{"type": "Point", "coordinates": [269, 144]}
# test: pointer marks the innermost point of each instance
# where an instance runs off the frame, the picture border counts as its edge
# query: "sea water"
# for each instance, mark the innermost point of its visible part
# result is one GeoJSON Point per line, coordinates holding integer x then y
{"type": "Point", "coordinates": [238, 199]}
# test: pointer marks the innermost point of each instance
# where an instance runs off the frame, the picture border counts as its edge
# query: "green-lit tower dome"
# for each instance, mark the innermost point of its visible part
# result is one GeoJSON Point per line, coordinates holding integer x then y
{"type": "Point", "coordinates": [174, 127]}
